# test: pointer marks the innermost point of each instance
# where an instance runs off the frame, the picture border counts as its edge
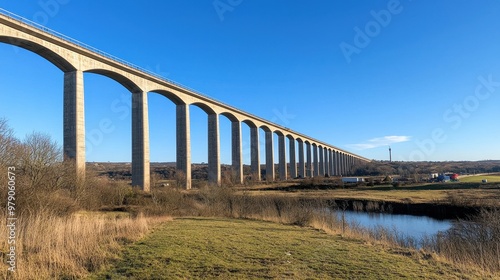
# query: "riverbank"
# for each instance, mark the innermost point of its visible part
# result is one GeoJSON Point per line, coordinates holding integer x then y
{"type": "Point", "coordinates": [198, 248]}
{"type": "Point", "coordinates": [439, 201]}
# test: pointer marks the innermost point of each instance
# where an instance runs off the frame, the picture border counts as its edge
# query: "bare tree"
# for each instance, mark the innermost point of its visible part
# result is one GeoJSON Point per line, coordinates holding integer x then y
{"type": "Point", "coordinates": [39, 158]}
{"type": "Point", "coordinates": [9, 145]}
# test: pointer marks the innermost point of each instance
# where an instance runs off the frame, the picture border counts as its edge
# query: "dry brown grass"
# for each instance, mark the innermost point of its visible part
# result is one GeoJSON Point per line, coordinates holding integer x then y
{"type": "Point", "coordinates": [52, 247]}
{"type": "Point", "coordinates": [487, 196]}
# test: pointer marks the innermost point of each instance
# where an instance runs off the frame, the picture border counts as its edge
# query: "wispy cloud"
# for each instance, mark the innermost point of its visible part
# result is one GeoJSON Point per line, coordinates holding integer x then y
{"type": "Point", "coordinates": [379, 142]}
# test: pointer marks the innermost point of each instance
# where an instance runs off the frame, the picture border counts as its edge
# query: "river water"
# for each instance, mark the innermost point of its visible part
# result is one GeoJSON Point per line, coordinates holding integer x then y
{"type": "Point", "coordinates": [411, 226]}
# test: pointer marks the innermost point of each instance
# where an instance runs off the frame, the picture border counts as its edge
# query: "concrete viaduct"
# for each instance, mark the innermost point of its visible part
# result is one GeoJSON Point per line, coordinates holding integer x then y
{"type": "Point", "coordinates": [315, 158]}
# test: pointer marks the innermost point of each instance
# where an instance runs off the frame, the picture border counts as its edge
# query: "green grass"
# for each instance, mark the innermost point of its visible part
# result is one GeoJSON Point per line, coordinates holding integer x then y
{"type": "Point", "coordinates": [479, 178]}
{"type": "Point", "coordinates": [200, 248]}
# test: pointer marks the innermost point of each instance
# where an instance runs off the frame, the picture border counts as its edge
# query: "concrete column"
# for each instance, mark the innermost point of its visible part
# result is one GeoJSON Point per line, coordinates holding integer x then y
{"type": "Point", "coordinates": [293, 160]}
{"type": "Point", "coordinates": [269, 156]}
{"type": "Point", "coordinates": [321, 161]}
{"type": "Point", "coordinates": [316, 161]}
{"type": "Point", "coordinates": [344, 164]}
{"type": "Point", "coordinates": [282, 159]}
{"type": "Point", "coordinates": [338, 165]}
{"type": "Point", "coordinates": [349, 166]}
{"type": "Point", "coordinates": [330, 162]}
{"type": "Point", "coordinates": [340, 168]}
{"type": "Point", "coordinates": [327, 161]}
{"type": "Point", "coordinates": [140, 141]}
{"type": "Point", "coordinates": [255, 152]}
{"type": "Point", "coordinates": [309, 165]}
{"type": "Point", "coordinates": [351, 163]}
{"type": "Point", "coordinates": [334, 163]}
{"type": "Point", "coordinates": [74, 121]}
{"type": "Point", "coordinates": [214, 176]}
{"type": "Point", "coordinates": [341, 164]}
{"type": "Point", "coordinates": [237, 157]}
{"type": "Point", "coordinates": [302, 169]}
{"type": "Point", "coordinates": [183, 135]}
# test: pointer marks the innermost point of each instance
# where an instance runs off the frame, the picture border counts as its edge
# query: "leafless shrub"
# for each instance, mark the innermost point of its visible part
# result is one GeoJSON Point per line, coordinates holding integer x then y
{"type": "Point", "coordinates": [358, 206]}
{"type": "Point", "coordinates": [474, 242]}
{"type": "Point", "coordinates": [312, 182]}
{"type": "Point", "coordinates": [39, 160]}
{"type": "Point", "coordinates": [180, 179]}
{"type": "Point", "coordinates": [229, 178]}
{"type": "Point", "coordinates": [219, 201]}
{"type": "Point", "coordinates": [454, 198]}
{"type": "Point", "coordinates": [9, 145]}
{"type": "Point", "coordinates": [372, 206]}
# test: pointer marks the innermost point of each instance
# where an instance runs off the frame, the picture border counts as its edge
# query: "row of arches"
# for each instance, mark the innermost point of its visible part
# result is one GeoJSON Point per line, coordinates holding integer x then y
{"type": "Point", "coordinates": [307, 157]}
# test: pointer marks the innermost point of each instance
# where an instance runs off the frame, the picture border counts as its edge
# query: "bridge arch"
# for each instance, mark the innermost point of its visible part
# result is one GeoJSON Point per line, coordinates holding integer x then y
{"type": "Point", "coordinates": [59, 61]}
{"type": "Point", "coordinates": [176, 99]}
{"type": "Point", "coordinates": [230, 116]}
{"type": "Point", "coordinates": [205, 107]}
{"type": "Point", "coordinates": [74, 58]}
{"type": "Point", "coordinates": [250, 123]}
{"type": "Point", "coordinates": [124, 81]}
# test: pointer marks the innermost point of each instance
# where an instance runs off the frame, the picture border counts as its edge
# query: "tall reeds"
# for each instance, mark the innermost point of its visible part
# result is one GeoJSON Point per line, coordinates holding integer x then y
{"type": "Point", "coordinates": [54, 247]}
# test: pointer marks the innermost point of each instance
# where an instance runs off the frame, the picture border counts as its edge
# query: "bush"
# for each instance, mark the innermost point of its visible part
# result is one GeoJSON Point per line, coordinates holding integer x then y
{"type": "Point", "coordinates": [474, 241]}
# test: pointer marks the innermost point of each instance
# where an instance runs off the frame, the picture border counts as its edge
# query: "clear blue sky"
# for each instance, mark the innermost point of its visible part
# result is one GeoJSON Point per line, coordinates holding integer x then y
{"type": "Point", "coordinates": [360, 75]}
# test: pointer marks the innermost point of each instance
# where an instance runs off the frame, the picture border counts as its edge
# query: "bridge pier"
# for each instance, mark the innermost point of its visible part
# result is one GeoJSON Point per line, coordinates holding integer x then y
{"type": "Point", "coordinates": [337, 164]}
{"type": "Point", "coordinates": [255, 153]}
{"type": "Point", "coordinates": [302, 171]}
{"type": "Point", "coordinates": [75, 58]}
{"type": "Point", "coordinates": [282, 159]}
{"type": "Point", "coordinates": [214, 176]}
{"type": "Point", "coordinates": [74, 121]}
{"type": "Point", "coordinates": [316, 161]}
{"type": "Point", "coordinates": [140, 141]}
{"type": "Point", "coordinates": [340, 168]}
{"type": "Point", "coordinates": [330, 160]}
{"type": "Point", "coordinates": [309, 166]}
{"type": "Point", "coordinates": [269, 156]}
{"type": "Point", "coordinates": [237, 159]}
{"type": "Point", "coordinates": [183, 136]}
{"type": "Point", "coordinates": [321, 161]}
{"type": "Point", "coordinates": [334, 163]}
{"type": "Point", "coordinates": [293, 159]}
{"type": "Point", "coordinates": [327, 161]}
{"type": "Point", "coordinates": [343, 164]}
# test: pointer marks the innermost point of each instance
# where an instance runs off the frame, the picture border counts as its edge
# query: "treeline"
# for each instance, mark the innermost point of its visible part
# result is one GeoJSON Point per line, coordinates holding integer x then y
{"type": "Point", "coordinates": [409, 169]}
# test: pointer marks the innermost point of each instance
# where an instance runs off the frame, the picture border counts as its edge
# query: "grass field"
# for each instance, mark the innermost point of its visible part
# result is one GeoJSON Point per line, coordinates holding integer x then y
{"type": "Point", "coordinates": [208, 248]}
{"type": "Point", "coordinates": [479, 178]}
{"type": "Point", "coordinates": [461, 193]}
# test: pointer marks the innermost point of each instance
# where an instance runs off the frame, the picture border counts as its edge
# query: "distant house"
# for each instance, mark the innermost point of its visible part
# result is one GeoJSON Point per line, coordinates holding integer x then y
{"type": "Point", "coordinates": [444, 178]}
{"type": "Point", "coordinates": [352, 179]}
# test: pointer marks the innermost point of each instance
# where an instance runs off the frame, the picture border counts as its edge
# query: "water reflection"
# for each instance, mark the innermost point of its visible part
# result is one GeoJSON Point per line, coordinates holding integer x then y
{"type": "Point", "coordinates": [407, 225]}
